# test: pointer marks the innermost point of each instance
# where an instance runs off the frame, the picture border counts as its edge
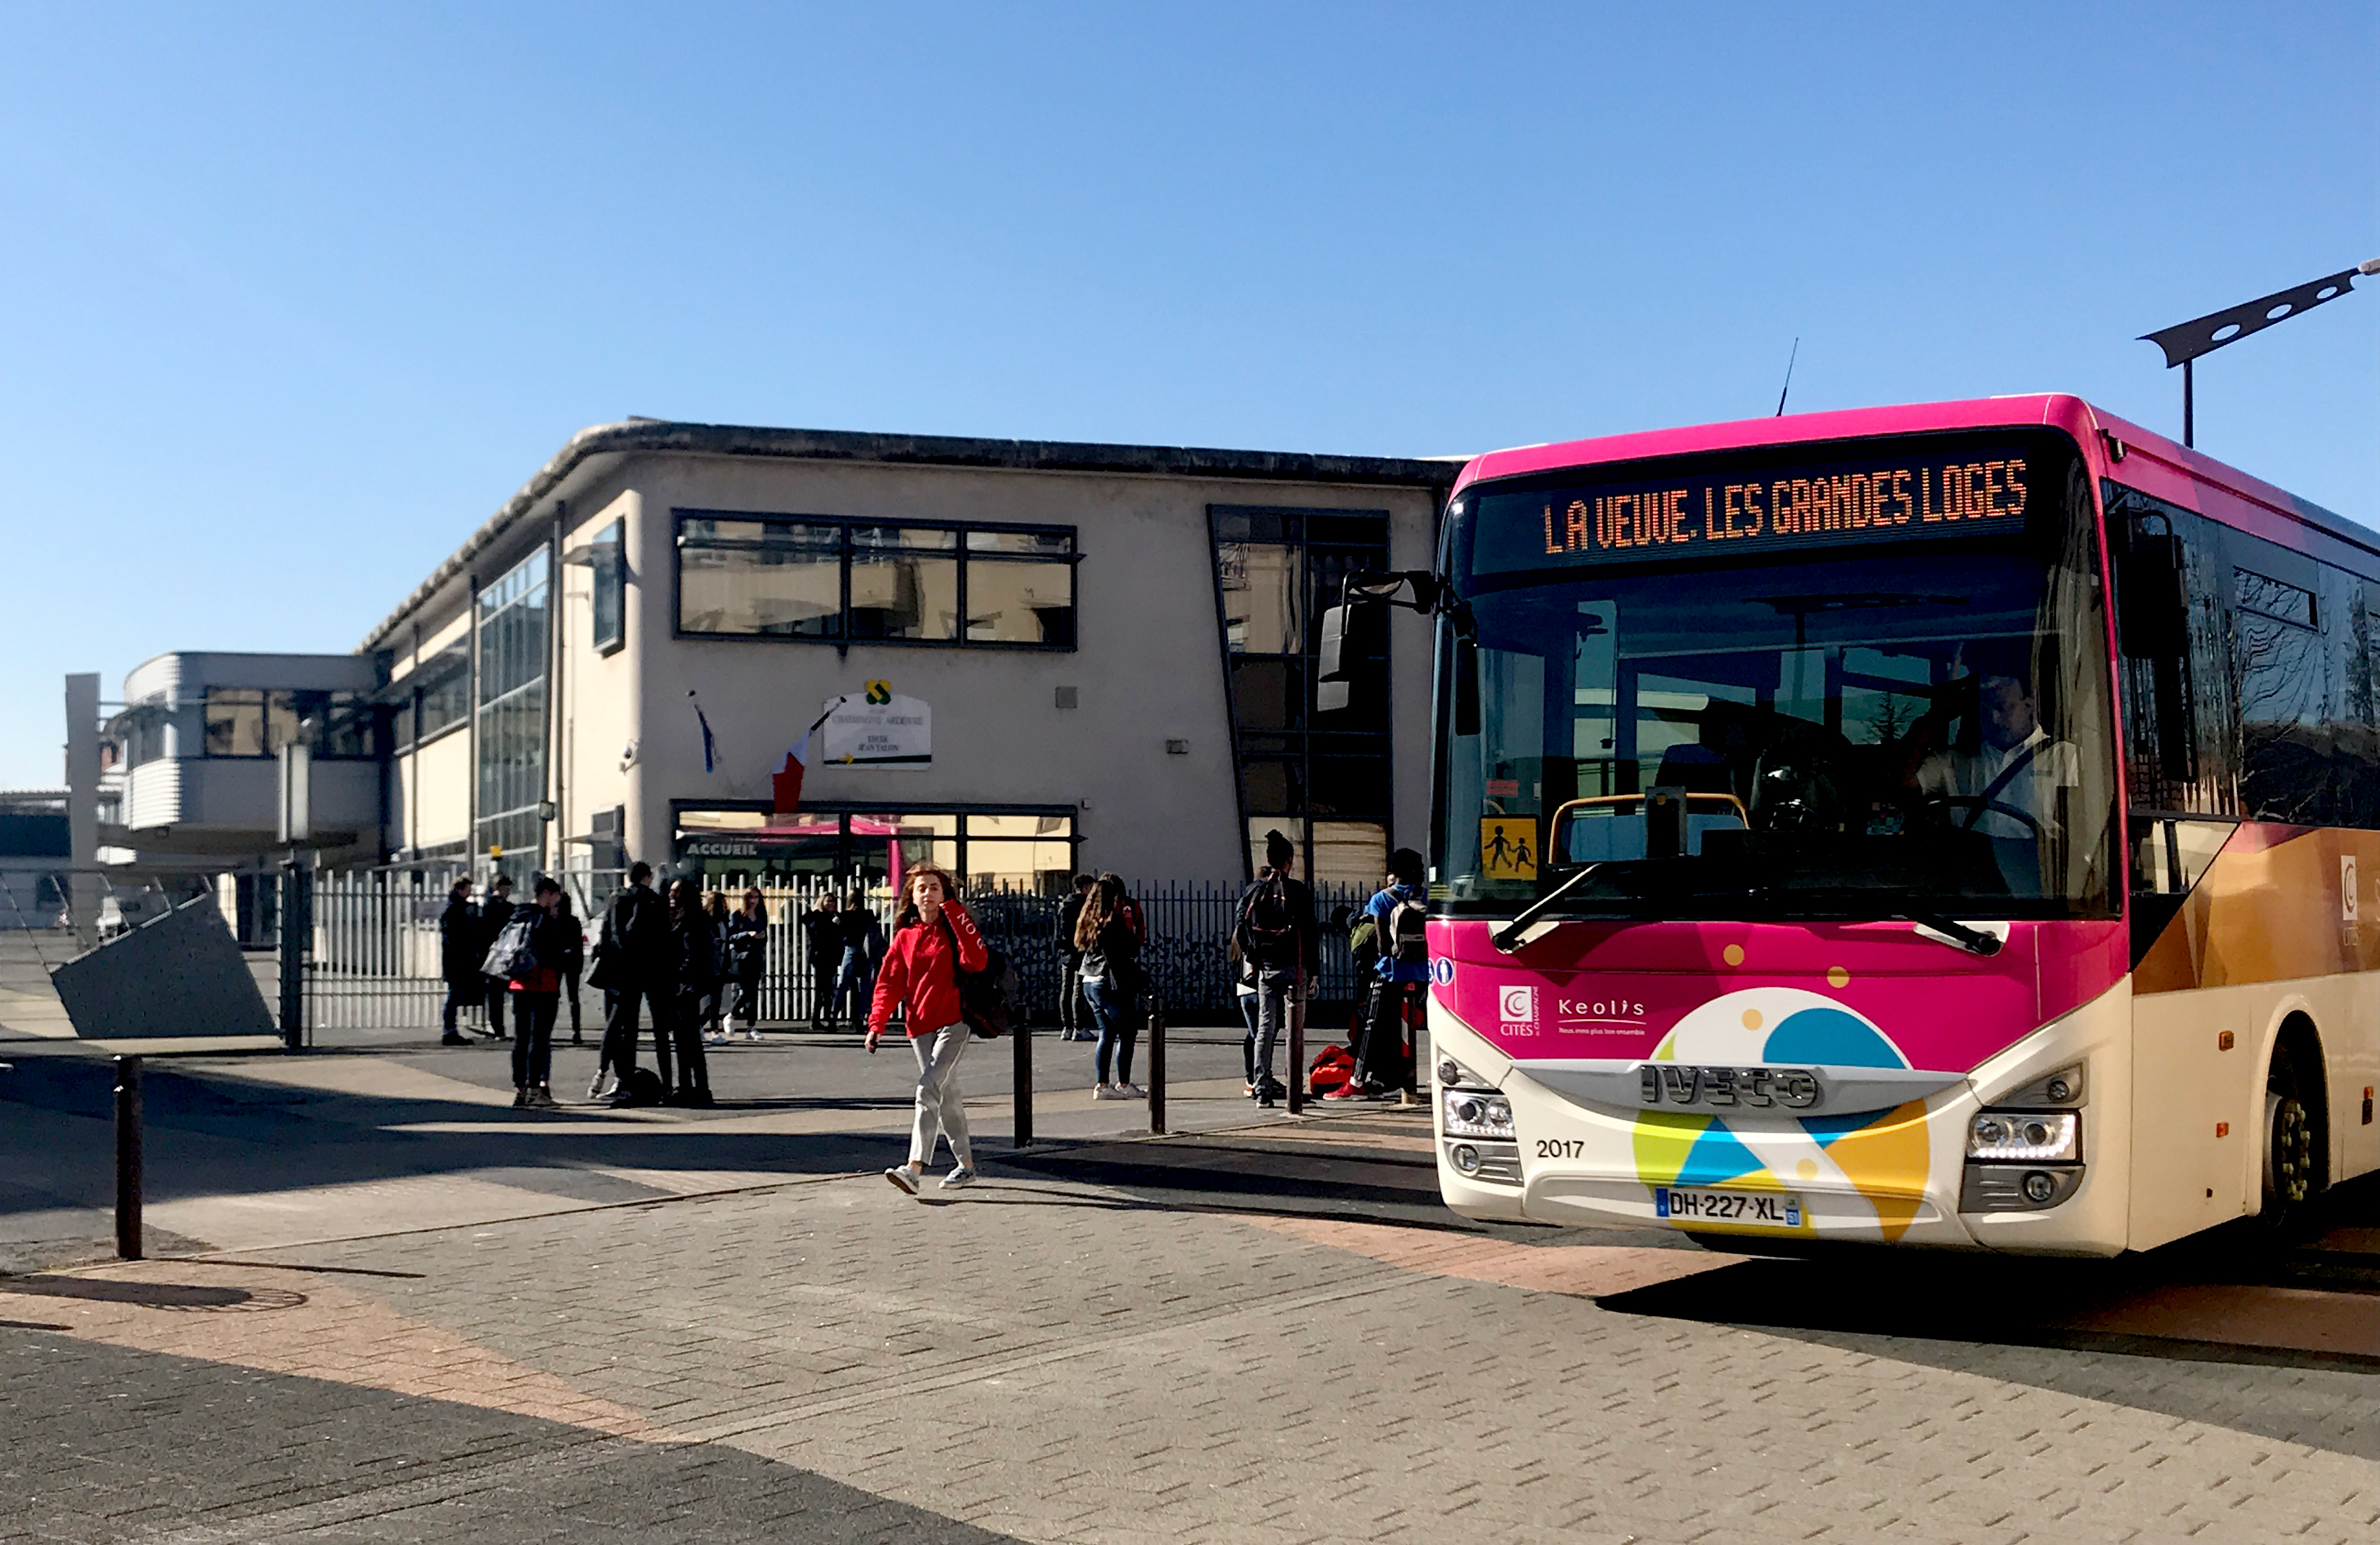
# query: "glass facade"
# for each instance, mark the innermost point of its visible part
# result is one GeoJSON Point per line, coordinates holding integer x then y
{"type": "Point", "coordinates": [1323, 779]}
{"type": "Point", "coordinates": [250, 722]}
{"type": "Point", "coordinates": [842, 581]}
{"type": "Point", "coordinates": [514, 648]}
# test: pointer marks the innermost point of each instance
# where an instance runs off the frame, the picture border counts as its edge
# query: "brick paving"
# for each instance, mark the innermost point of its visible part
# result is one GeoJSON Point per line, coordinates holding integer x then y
{"type": "Point", "coordinates": [1059, 1356]}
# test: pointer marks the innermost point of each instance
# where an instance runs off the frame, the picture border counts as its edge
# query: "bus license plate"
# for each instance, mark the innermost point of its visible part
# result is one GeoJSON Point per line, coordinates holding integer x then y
{"type": "Point", "coordinates": [1693, 1204]}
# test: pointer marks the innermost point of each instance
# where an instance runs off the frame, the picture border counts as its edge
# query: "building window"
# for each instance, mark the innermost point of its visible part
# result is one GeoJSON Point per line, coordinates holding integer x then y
{"type": "Point", "coordinates": [1323, 780]}
{"type": "Point", "coordinates": [844, 581]}
{"type": "Point", "coordinates": [1020, 587]}
{"type": "Point", "coordinates": [247, 722]}
{"type": "Point", "coordinates": [608, 614]}
{"type": "Point", "coordinates": [445, 698]}
{"type": "Point", "coordinates": [512, 620]}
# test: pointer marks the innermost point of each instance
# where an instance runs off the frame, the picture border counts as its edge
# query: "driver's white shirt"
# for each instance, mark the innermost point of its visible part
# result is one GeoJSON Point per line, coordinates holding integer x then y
{"type": "Point", "coordinates": [2055, 765]}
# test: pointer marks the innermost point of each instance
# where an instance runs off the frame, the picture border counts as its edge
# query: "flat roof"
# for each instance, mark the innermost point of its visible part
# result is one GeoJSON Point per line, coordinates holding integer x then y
{"type": "Point", "coordinates": [661, 437]}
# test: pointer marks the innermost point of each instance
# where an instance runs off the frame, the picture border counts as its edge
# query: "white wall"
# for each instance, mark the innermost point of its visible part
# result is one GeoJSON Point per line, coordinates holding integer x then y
{"type": "Point", "coordinates": [1147, 668]}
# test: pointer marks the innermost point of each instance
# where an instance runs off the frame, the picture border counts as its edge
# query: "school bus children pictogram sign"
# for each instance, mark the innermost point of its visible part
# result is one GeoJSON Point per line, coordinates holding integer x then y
{"type": "Point", "coordinates": [1508, 847]}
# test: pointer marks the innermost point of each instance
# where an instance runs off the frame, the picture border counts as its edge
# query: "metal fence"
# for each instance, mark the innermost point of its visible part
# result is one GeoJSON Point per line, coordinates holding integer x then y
{"type": "Point", "coordinates": [373, 956]}
{"type": "Point", "coordinates": [370, 957]}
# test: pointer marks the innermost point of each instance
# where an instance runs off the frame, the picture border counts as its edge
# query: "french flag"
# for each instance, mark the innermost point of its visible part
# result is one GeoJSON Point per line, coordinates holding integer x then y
{"type": "Point", "coordinates": [786, 785]}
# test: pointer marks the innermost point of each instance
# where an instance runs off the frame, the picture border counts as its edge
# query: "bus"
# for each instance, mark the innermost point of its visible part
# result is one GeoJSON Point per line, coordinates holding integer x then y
{"type": "Point", "coordinates": [1933, 826]}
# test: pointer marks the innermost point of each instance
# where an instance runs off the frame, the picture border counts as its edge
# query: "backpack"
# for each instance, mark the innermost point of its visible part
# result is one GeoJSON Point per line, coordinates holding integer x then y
{"type": "Point", "coordinates": [1333, 1066]}
{"type": "Point", "coordinates": [1364, 944]}
{"type": "Point", "coordinates": [985, 995]}
{"type": "Point", "coordinates": [512, 954]}
{"type": "Point", "coordinates": [1406, 937]}
{"type": "Point", "coordinates": [1267, 931]}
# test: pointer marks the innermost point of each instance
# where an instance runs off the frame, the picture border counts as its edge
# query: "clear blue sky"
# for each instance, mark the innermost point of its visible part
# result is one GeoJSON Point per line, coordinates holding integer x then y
{"type": "Point", "coordinates": [292, 297]}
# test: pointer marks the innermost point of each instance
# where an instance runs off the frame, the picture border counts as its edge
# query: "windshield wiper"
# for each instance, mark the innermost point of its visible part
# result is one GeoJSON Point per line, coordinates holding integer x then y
{"type": "Point", "coordinates": [1512, 935]}
{"type": "Point", "coordinates": [1975, 941]}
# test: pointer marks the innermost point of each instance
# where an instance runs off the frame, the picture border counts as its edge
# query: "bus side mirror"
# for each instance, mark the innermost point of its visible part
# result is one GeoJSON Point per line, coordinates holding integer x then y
{"type": "Point", "coordinates": [2153, 626]}
{"type": "Point", "coordinates": [1330, 684]}
{"type": "Point", "coordinates": [2151, 604]}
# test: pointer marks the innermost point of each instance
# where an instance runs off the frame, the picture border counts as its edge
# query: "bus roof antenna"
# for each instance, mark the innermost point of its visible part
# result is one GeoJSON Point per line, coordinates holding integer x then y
{"type": "Point", "coordinates": [1788, 376]}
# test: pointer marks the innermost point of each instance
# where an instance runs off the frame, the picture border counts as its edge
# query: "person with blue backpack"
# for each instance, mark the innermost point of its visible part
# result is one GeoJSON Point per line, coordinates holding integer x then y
{"type": "Point", "coordinates": [1279, 946]}
{"type": "Point", "coordinates": [1399, 912]}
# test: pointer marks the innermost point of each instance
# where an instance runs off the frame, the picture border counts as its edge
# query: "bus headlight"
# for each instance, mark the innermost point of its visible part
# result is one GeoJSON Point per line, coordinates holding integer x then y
{"type": "Point", "coordinates": [2025, 1137]}
{"type": "Point", "coordinates": [1475, 1114]}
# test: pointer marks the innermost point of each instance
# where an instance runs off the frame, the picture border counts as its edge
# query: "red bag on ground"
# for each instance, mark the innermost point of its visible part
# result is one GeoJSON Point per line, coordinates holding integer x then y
{"type": "Point", "coordinates": [1333, 1065]}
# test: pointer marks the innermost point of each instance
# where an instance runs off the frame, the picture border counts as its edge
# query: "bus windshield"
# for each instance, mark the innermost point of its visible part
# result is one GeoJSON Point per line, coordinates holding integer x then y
{"type": "Point", "coordinates": [1838, 682]}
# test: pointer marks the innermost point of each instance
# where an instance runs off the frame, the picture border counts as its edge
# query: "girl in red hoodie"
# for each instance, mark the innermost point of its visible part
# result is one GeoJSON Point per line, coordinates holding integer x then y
{"type": "Point", "coordinates": [933, 940]}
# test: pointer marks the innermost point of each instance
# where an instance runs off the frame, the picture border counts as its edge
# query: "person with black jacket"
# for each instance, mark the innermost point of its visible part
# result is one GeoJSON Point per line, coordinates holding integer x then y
{"type": "Point", "coordinates": [822, 942]}
{"type": "Point", "coordinates": [492, 919]}
{"type": "Point", "coordinates": [574, 964]}
{"type": "Point", "coordinates": [1073, 1011]}
{"type": "Point", "coordinates": [1112, 982]}
{"type": "Point", "coordinates": [694, 965]}
{"type": "Point", "coordinates": [748, 958]}
{"type": "Point", "coordinates": [1278, 941]}
{"type": "Point", "coordinates": [538, 993]}
{"type": "Point", "coordinates": [459, 954]}
{"type": "Point", "coordinates": [635, 945]}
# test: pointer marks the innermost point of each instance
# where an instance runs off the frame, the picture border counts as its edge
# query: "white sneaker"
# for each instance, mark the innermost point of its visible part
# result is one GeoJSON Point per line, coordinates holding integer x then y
{"type": "Point", "coordinates": [751, 1034]}
{"type": "Point", "coordinates": [714, 1041]}
{"type": "Point", "coordinates": [1130, 1091]}
{"type": "Point", "coordinates": [958, 1178]}
{"type": "Point", "coordinates": [1109, 1091]}
{"type": "Point", "coordinates": [903, 1176]}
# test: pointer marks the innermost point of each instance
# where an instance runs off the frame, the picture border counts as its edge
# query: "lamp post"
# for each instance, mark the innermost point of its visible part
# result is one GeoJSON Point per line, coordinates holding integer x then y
{"type": "Point", "coordinates": [2185, 341]}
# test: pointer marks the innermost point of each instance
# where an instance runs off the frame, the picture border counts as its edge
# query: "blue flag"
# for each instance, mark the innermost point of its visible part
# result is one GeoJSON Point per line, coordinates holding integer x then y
{"type": "Point", "coordinates": [710, 743]}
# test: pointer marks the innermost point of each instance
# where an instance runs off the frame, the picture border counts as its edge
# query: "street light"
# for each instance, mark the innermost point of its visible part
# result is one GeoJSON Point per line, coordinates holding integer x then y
{"type": "Point", "coordinates": [2186, 341]}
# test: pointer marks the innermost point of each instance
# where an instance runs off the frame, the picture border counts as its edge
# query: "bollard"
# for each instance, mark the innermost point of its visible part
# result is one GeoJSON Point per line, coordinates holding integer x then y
{"type": "Point", "coordinates": [1157, 1064]}
{"type": "Point", "coordinates": [1022, 1054]}
{"type": "Point", "coordinates": [128, 1158]}
{"type": "Point", "coordinates": [1297, 1049]}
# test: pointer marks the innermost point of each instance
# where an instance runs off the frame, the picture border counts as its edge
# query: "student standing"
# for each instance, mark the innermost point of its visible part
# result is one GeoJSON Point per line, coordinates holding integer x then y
{"type": "Point", "coordinates": [536, 993]}
{"type": "Point", "coordinates": [492, 918]}
{"type": "Point", "coordinates": [933, 940]}
{"type": "Point", "coordinates": [1276, 937]}
{"type": "Point", "coordinates": [863, 951]}
{"type": "Point", "coordinates": [636, 949]}
{"type": "Point", "coordinates": [747, 958]}
{"type": "Point", "coordinates": [1110, 973]}
{"type": "Point", "coordinates": [574, 963]}
{"type": "Point", "coordinates": [694, 962]}
{"type": "Point", "coordinates": [715, 1021]}
{"type": "Point", "coordinates": [1398, 912]}
{"type": "Point", "coordinates": [459, 952]}
{"type": "Point", "coordinates": [1072, 1013]}
{"type": "Point", "coordinates": [822, 943]}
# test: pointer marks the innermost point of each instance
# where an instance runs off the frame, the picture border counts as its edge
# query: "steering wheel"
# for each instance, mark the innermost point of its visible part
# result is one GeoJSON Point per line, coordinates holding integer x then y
{"type": "Point", "coordinates": [1981, 805]}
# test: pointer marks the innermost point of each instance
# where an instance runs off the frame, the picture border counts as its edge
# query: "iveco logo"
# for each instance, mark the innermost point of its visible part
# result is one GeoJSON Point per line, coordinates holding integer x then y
{"type": "Point", "coordinates": [1683, 1084]}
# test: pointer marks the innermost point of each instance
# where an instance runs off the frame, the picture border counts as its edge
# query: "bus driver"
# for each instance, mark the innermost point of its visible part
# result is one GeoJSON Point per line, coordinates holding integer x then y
{"type": "Point", "coordinates": [2017, 768]}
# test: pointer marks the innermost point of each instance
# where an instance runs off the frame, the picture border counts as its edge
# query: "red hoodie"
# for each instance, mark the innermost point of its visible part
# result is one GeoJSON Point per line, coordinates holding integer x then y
{"type": "Point", "coordinates": [919, 977]}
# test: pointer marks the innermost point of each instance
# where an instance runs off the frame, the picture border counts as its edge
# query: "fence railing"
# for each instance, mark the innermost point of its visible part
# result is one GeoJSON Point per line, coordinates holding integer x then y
{"type": "Point", "coordinates": [374, 954]}
{"type": "Point", "coordinates": [373, 950]}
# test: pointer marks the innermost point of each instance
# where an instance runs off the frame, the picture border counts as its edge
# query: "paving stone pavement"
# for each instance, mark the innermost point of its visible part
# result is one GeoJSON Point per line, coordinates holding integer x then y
{"type": "Point", "coordinates": [1052, 1360]}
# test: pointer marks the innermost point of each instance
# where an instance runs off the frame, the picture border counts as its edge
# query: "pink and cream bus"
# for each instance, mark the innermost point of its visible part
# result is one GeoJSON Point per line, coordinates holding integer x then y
{"type": "Point", "coordinates": [1938, 826]}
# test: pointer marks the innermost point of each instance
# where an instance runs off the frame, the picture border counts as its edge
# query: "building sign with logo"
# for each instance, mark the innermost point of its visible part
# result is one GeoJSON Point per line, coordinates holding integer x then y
{"type": "Point", "coordinates": [877, 728]}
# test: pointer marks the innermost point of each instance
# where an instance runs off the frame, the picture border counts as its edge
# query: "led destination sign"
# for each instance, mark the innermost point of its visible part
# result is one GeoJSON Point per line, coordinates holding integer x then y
{"type": "Point", "coordinates": [1885, 500]}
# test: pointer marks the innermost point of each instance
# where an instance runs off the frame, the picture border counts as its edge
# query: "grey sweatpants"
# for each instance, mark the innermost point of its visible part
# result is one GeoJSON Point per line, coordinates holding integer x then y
{"type": "Point", "coordinates": [942, 1111]}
